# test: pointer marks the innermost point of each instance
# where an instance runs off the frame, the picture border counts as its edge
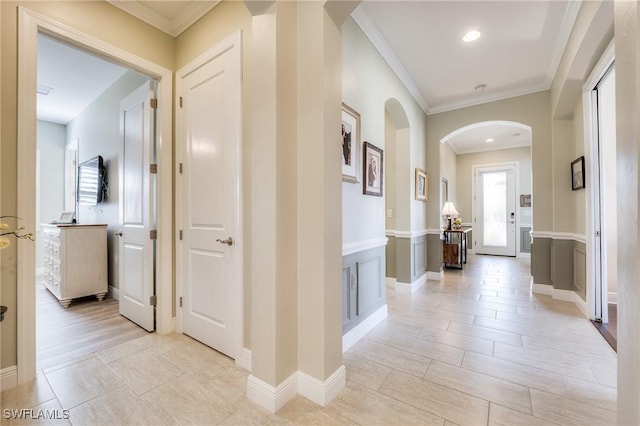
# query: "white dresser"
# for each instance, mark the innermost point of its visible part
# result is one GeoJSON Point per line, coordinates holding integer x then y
{"type": "Point", "coordinates": [75, 261]}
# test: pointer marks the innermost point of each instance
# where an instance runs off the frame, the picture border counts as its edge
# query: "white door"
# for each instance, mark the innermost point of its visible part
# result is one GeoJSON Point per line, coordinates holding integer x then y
{"type": "Point", "coordinates": [210, 124]}
{"type": "Point", "coordinates": [135, 256]}
{"type": "Point", "coordinates": [495, 222]}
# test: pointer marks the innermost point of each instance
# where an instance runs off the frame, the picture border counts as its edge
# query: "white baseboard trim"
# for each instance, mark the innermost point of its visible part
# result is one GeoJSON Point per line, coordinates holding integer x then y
{"type": "Point", "coordinates": [524, 255]}
{"type": "Point", "coordinates": [563, 295]}
{"type": "Point", "coordinates": [8, 378]}
{"type": "Point", "coordinates": [612, 297]}
{"type": "Point", "coordinates": [413, 287]}
{"type": "Point", "coordinates": [435, 276]}
{"type": "Point", "coordinates": [114, 293]}
{"type": "Point", "coordinates": [321, 392]}
{"type": "Point", "coordinates": [390, 283]}
{"type": "Point", "coordinates": [356, 333]}
{"type": "Point", "coordinates": [470, 251]}
{"type": "Point", "coordinates": [243, 359]}
{"type": "Point", "coordinates": [272, 398]}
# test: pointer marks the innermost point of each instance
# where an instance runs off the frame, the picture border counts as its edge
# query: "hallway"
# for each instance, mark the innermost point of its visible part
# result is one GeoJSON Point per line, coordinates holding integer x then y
{"type": "Point", "coordinates": [474, 349]}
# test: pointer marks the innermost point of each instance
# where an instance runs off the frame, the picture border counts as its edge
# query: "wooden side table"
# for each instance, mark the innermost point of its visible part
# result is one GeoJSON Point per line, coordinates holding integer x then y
{"type": "Point", "coordinates": [455, 247]}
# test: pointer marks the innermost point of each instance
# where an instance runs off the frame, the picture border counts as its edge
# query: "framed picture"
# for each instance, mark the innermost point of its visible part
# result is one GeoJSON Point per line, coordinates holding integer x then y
{"type": "Point", "coordinates": [525, 200]}
{"type": "Point", "coordinates": [577, 174]}
{"type": "Point", "coordinates": [67, 217]}
{"type": "Point", "coordinates": [373, 170]}
{"type": "Point", "coordinates": [422, 183]}
{"type": "Point", "coordinates": [350, 144]}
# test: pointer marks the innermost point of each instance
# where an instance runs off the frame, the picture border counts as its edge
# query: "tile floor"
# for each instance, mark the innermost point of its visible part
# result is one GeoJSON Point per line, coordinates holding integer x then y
{"type": "Point", "coordinates": [475, 349]}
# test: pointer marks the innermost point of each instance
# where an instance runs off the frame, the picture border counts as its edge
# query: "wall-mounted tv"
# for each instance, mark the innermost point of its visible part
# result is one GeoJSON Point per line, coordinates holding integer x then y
{"type": "Point", "coordinates": [91, 182]}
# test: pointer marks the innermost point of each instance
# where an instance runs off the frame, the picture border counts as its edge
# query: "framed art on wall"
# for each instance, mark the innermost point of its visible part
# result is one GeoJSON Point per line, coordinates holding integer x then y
{"type": "Point", "coordinates": [373, 170]}
{"type": "Point", "coordinates": [577, 173]}
{"type": "Point", "coordinates": [350, 144]}
{"type": "Point", "coordinates": [422, 183]}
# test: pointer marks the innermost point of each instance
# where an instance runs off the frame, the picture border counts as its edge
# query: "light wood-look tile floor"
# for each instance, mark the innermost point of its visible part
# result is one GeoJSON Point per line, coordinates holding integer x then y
{"type": "Point", "coordinates": [475, 349]}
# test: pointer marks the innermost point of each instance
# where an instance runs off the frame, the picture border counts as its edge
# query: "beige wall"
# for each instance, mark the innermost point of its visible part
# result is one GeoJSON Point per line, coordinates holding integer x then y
{"type": "Point", "coordinates": [579, 197]}
{"type": "Point", "coordinates": [448, 171]}
{"type": "Point", "coordinates": [532, 110]}
{"type": "Point", "coordinates": [132, 35]}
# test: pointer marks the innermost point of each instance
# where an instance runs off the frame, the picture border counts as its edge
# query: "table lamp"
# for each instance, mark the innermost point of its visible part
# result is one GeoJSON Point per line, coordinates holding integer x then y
{"type": "Point", "coordinates": [449, 210]}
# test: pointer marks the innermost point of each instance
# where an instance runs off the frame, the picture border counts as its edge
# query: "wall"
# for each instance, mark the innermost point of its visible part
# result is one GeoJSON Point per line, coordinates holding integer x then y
{"type": "Point", "coordinates": [448, 171]}
{"type": "Point", "coordinates": [132, 35]}
{"type": "Point", "coordinates": [51, 146]}
{"type": "Point", "coordinates": [97, 130]}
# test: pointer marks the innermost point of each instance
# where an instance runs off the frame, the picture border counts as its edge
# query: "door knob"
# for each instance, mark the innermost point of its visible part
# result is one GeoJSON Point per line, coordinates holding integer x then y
{"type": "Point", "coordinates": [228, 241]}
{"type": "Point", "coordinates": [119, 234]}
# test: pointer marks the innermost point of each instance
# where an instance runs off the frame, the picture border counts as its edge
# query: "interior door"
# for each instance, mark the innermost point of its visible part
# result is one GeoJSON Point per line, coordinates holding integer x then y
{"type": "Point", "coordinates": [135, 256]}
{"type": "Point", "coordinates": [210, 139]}
{"type": "Point", "coordinates": [495, 223]}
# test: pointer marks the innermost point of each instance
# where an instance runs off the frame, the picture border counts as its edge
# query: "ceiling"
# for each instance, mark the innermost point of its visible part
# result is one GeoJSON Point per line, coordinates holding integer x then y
{"type": "Point", "coordinates": [518, 52]}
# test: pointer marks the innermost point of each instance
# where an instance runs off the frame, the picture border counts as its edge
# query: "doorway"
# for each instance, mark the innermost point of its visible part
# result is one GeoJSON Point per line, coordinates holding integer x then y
{"type": "Point", "coordinates": [31, 25]}
{"type": "Point", "coordinates": [601, 121]}
{"type": "Point", "coordinates": [495, 209]}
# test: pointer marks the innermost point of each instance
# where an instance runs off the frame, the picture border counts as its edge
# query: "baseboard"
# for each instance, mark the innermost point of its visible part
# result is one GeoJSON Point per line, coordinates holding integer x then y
{"type": "Point", "coordinates": [390, 283]}
{"type": "Point", "coordinates": [435, 276]}
{"type": "Point", "coordinates": [8, 378]}
{"type": "Point", "coordinates": [524, 255]}
{"type": "Point", "coordinates": [321, 392]}
{"type": "Point", "coordinates": [413, 287]}
{"type": "Point", "coordinates": [356, 333]}
{"type": "Point", "coordinates": [612, 297]}
{"type": "Point", "coordinates": [243, 359]}
{"type": "Point", "coordinates": [114, 293]}
{"type": "Point", "coordinates": [563, 295]}
{"type": "Point", "coordinates": [40, 273]}
{"type": "Point", "coordinates": [272, 398]}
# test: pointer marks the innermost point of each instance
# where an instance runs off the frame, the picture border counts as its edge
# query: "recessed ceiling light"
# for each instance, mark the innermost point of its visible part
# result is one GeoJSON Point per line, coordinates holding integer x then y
{"type": "Point", "coordinates": [489, 140]}
{"type": "Point", "coordinates": [470, 36]}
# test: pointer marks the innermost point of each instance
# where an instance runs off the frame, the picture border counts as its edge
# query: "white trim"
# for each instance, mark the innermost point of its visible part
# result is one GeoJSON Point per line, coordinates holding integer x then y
{"type": "Point", "coordinates": [436, 276]}
{"type": "Point", "coordinates": [406, 234]}
{"type": "Point", "coordinates": [233, 41]}
{"type": "Point", "coordinates": [321, 392]}
{"type": "Point", "coordinates": [563, 236]}
{"type": "Point", "coordinates": [8, 378]}
{"type": "Point", "coordinates": [244, 359]}
{"type": "Point", "coordinates": [613, 297]}
{"type": "Point", "coordinates": [352, 336]}
{"type": "Point", "coordinates": [269, 397]}
{"type": "Point", "coordinates": [563, 295]}
{"type": "Point", "coordinates": [351, 248]}
{"type": "Point", "coordinates": [522, 255]}
{"type": "Point", "coordinates": [580, 238]}
{"type": "Point", "coordinates": [377, 39]}
{"type": "Point", "coordinates": [542, 234]}
{"type": "Point", "coordinates": [29, 25]}
{"type": "Point", "coordinates": [406, 288]}
{"type": "Point", "coordinates": [114, 293]}
{"type": "Point", "coordinates": [390, 283]}
{"type": "Point", "coordinates": [39, 271]}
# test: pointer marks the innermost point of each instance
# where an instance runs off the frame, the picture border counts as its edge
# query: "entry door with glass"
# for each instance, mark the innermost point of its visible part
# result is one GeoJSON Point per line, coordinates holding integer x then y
{"type": "Point", "coordinates": [495, 210]}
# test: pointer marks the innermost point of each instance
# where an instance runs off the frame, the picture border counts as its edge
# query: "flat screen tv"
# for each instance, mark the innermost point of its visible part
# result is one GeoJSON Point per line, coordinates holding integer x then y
{"type": "Point", "coordinates": [91, 182]}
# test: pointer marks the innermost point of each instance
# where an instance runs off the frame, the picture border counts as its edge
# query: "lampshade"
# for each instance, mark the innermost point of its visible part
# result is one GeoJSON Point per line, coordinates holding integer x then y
{"type": "Point", "coordinates": [449, 210]}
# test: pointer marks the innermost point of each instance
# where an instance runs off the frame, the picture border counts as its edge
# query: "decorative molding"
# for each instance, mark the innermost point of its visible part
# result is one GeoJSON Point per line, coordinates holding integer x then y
{"type": "Point", "coordinates": [358, 332]}
{"type": "Point", "coordinates": [406, 288]}
{"type": "Point", "coordinates": [243, 358]}
{"type": "Point", "coordinates": [174, 26]}
{"type": "Point", "coordinates": [377, 39]}
{"type": "Point", "coordinates": [568, 21]}
{"type": "Point", "coordinates": [546, 289]}
{"type": "Point", "coordinates": [541, 234]}
{"type": "Point", "coordinates": [581, 238]}
{"type": "Point", "coordinates": [612, 297]}
{"type": "Point", "coordinates": [436, 276]}
{"type": "Point", "coordinates": [8, 378]}
{"type": "Point", "coordinates": [321, 392]}
{"type": "Point", "coordinates": [351, 248]}
{"type": "Point", "coordinates": [406, 234]}
{"type": "Point", "coordinates": [273, 398]}
{"type": "Point", "coordinates": [269, 397]}
{"type": "Point", "coordinates": [114, 293]}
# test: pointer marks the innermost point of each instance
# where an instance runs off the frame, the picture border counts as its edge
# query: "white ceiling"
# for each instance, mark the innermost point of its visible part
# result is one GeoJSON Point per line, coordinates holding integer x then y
{"type": "Point", "coordinates": [518, 53]}
{"type": "Point", "coordinates": [505, 135]}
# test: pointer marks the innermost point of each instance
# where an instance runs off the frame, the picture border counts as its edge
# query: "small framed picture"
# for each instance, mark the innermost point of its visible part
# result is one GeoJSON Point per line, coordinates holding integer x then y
{"type": "Point", "coordinates": [373, 170]}
{"type": "Point", "coordinates": [577, 174]}
{"type": "Point", "coordinates": [350, 144]}
{"type": "Point", "coordinates": [422, 184]}
{"type": "Point", "coordinates": [67, 217]}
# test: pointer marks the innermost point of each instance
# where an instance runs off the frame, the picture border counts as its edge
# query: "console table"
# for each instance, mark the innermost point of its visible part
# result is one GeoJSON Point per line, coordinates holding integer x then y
{"type": "Point", "coordinates": [455, 247]}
